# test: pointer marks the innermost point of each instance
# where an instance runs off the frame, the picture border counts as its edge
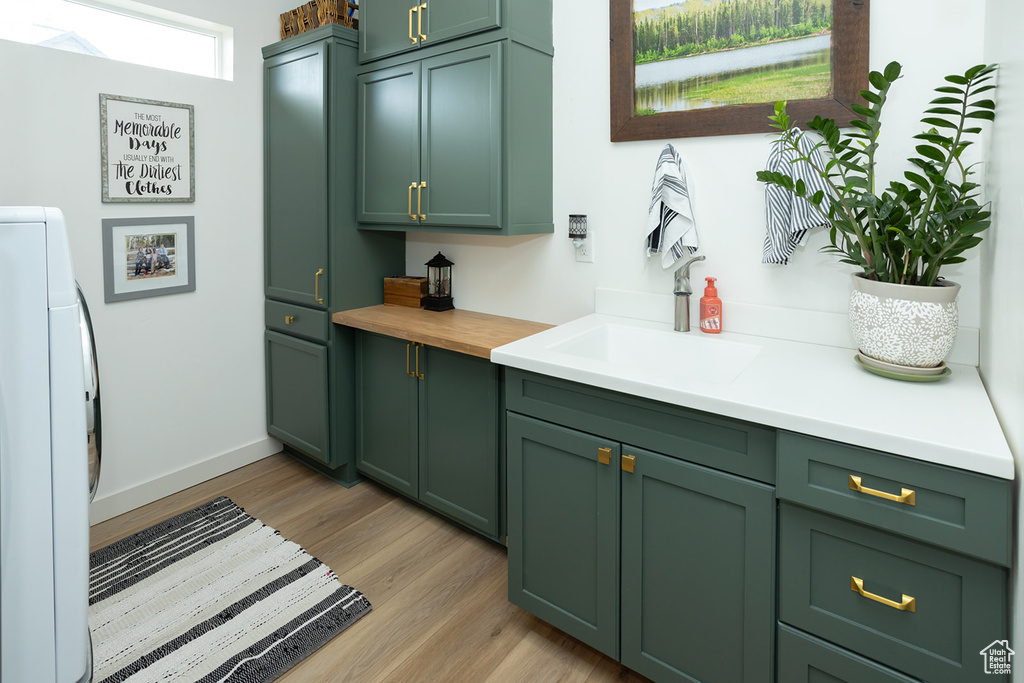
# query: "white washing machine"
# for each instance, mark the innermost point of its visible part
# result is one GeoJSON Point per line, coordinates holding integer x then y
{"type": "Point", "coordinates": [47, 368]}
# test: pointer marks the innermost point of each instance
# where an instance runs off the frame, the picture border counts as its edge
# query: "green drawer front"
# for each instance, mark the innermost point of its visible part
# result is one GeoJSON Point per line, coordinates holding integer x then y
{"type": "Point", "coordinates": [952, 508]}
{"type": "Point", "coordinates": [806, 659]}
{"type": "Point", "coordinates": [298, 321]}
{"type": "Point", "coordinates": [722, 443]}
{"type": "Point", "coordinates": [960, 604]}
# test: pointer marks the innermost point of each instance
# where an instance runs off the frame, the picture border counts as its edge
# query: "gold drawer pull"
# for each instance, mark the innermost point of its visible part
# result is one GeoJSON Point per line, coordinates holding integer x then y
{"type": "Point", "coordinates": [414, 9]}
{"type": "Point", "coordinates": [419, 22]}
{"type": "Point", "coordinates": [289, 319]}
{"type": "Point", "coordinates": [907, 496]}
{"type": "Point", "coordinates": [604, 456]}
{"type": "Point", "coordinates": [418, 375]}
{"type": "Point", "coordinates": [419, 200]}
{"type": "Point", "coordinates": [411, 188]}
{"type": "Point", "coordinates": [908, 604]}
{"type": "Point", "coordinates": [628, 463]}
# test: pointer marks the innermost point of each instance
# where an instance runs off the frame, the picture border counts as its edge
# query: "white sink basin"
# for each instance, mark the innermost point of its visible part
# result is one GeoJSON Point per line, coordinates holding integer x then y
{"type": "Point", "coordinates": [685, 355]}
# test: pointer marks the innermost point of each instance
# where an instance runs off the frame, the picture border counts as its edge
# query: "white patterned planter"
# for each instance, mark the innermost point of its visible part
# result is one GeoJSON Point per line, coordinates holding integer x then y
{"type": "Point", "coordinates": [904, 324]}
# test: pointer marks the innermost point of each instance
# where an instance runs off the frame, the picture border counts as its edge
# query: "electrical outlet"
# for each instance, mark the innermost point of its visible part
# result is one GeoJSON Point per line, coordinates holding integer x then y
{"type": "Point", "coordinates": [585, 251]}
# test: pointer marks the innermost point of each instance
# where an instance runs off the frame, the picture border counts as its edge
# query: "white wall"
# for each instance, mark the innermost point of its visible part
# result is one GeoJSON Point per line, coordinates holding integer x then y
{"type": "Point", "coordinates": [183, 382]}
{"type": "Point", "coordinates": [1002, 364]}
{"type": "Point", "coordinates": [538, 278]}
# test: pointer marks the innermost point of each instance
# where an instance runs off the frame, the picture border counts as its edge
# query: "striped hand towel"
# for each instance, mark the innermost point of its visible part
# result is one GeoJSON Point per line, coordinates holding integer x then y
{"type": "Point", "coordinates": [789, 218]}
{"type": "Point", "coordinates": [670, 230]}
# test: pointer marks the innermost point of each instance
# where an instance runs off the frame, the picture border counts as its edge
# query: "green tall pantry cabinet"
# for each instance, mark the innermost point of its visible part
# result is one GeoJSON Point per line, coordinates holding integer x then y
{"type": "Point", "coordinates": [316, 261]}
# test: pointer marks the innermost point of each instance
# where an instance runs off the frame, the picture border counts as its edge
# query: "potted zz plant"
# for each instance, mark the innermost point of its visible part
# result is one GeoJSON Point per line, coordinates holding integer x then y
{"type": "Point", "coordinates": [902, 313]}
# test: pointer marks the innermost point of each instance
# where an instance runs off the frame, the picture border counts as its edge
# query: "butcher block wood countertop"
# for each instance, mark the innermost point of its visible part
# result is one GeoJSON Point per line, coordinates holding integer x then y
{"type": "Point", "coordinates": [474, 334]}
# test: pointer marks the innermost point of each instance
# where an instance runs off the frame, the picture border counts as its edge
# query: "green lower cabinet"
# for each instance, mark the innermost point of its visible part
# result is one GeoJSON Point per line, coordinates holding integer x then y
{"type": "Point", "coordinates": [427, 425]}
{"type": "Point", "coordinates": [297, 400]}
{"type": "Point", "coordinates": [921, 610]}
{"type": "Point", "coordinates": [459, 438]}
{"type": "Point", "coordinates": [696, 547]}
{"type": "Point", "coordinates": [563, 529]}
{"type": "Point", "coordinates": [806, 659]}
{"type": "Point", "coordinates": [387, 412]}
{"type": "Point", "coordinates": [698, 586]}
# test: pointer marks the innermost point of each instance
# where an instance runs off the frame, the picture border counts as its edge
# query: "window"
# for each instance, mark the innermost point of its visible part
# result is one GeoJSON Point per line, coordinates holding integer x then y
{"type": "Point", "coordinates": [123, 30]}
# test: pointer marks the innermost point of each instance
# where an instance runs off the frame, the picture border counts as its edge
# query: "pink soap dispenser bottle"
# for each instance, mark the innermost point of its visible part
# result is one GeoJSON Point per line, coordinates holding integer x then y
{"type": "Point", "coordinates": [710, 309]}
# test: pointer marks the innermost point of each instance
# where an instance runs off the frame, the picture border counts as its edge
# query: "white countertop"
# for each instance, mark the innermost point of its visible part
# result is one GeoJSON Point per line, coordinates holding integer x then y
{"type": "Point", "coordinates": [806, 388]}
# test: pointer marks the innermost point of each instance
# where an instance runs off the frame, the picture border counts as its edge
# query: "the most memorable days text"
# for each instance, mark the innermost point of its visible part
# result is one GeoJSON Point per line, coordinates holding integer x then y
{"type": "Point", "coordinates": [145, 169]}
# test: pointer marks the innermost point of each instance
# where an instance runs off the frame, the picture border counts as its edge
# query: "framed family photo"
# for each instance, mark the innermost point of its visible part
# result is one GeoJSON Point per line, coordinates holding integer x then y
{"type": "Point", "coordinates": [145, 257]}
{"type": "Point", "coordinates": [717, 67]}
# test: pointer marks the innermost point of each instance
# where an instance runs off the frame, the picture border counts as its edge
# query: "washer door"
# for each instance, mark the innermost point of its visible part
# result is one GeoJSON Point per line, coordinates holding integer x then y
{"type": "Point", "coordinates": [92, 394]}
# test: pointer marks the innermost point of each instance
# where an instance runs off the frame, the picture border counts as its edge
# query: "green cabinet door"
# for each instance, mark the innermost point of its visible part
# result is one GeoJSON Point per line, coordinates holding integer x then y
{"type": "Point", "coordinates": [698, 586]}
{"type": "Point", "coordinates": [447, 19]}
{"type": "Point", "coordinates": [460, 159]}
{"type": "Point", "coordinates": [386, 412]}
{"type": "Point", "coordinates": [296, 176]}
{"type": "Point", "coordinates": [563, 529]}
{"type": "Point", "coordinates": [297, 401]}
{"type": "Point", "coordinates": [388, 151]}
{"type": "Point", "coordinates": [389, 27]}
{"type": "Point", "coordinates": [458, 438]}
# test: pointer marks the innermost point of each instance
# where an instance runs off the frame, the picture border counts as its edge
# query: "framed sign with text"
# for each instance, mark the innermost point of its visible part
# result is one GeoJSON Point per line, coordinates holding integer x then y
{"type": "Point", "coordinates": [147, 149]}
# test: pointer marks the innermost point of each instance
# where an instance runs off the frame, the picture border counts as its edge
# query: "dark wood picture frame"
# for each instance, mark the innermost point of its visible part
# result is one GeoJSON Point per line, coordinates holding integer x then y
{"type": "Point", "coordinates": [850, 38]}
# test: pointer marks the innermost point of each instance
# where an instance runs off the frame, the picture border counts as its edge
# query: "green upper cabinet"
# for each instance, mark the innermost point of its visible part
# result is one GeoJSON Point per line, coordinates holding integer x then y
{"type": "Point", "coordinates": [430, 149]}
{"type": "Point", "coordinates": [455, 128]}
{"type": "Point", "coordinates": [390, 27]}
{"type": "Point", "coordinates": [388, 151]}
{"type": "Point", "coordinates": [295, 109]}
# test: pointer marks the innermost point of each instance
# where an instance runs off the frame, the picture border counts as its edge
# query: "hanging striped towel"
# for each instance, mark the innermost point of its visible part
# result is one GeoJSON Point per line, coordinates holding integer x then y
{"type": "Point", "coordinates": [671, 230]}
{"type": "Point", "coordinates": [789, 218]}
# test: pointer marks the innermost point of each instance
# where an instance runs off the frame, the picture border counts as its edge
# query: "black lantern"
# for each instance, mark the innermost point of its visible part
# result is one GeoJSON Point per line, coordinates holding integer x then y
{"type": "Point", "coordinates": [439, 287]}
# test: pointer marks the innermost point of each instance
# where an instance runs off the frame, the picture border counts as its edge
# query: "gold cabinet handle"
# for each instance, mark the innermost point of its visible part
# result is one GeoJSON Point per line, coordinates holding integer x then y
{"type": "Point", "coordinates": [419, 200]}
{"type": "Point", "coordinates": [407, 370]}
{"type": "Point", "coordinates": [908, 604]}
{"type": "Point", "coordinates": [316, 286]}
{"type": "Point", "coordinates": [604, 456]}
{"type": "Point", "coordinates": [907, 496]}
{"type": "Point", "coordinates": [418, 375]}
{"type": "Point", "coordinates": [628, 463]}
{"type": "Point", "coordinates": [411, 36]}
{"type": "Point", "coordinates": [419, 26]}
{"type": "Point", "coordinates": [289, 319]}
{"type": "Point", "coordinates": [411, 188]}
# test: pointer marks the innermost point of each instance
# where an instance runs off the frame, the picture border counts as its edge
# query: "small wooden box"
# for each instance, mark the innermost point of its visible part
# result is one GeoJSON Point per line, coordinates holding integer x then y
{"type": "Point", "coordinates": [405, 290]}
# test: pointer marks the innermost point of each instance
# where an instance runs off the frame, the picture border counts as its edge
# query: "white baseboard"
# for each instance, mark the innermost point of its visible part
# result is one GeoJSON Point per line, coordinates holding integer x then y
{"type": "Point", "coordinates": [119, 502]}
{"type": "Point", "coordinates": [811, 327]}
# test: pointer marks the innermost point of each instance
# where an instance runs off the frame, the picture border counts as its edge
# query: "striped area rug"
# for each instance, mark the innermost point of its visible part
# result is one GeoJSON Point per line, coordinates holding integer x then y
{"type": "Point", "coordinates": [211, 595]}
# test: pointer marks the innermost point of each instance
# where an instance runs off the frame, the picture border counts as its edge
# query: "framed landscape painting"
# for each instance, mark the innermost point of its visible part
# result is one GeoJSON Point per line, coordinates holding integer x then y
{"type": "Point", "coordinates": [688, 68]}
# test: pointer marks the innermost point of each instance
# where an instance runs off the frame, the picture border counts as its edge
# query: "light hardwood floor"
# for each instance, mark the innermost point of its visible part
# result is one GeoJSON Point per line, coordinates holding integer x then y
{"type": "Point", "coordinates": [439, 594]}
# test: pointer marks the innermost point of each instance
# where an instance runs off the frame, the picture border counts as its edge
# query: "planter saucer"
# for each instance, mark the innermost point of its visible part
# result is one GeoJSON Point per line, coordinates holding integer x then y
{"type": "Point", "coordinates": [902, 373]}
{"type": "Point", "coordinates": [900, 369]}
